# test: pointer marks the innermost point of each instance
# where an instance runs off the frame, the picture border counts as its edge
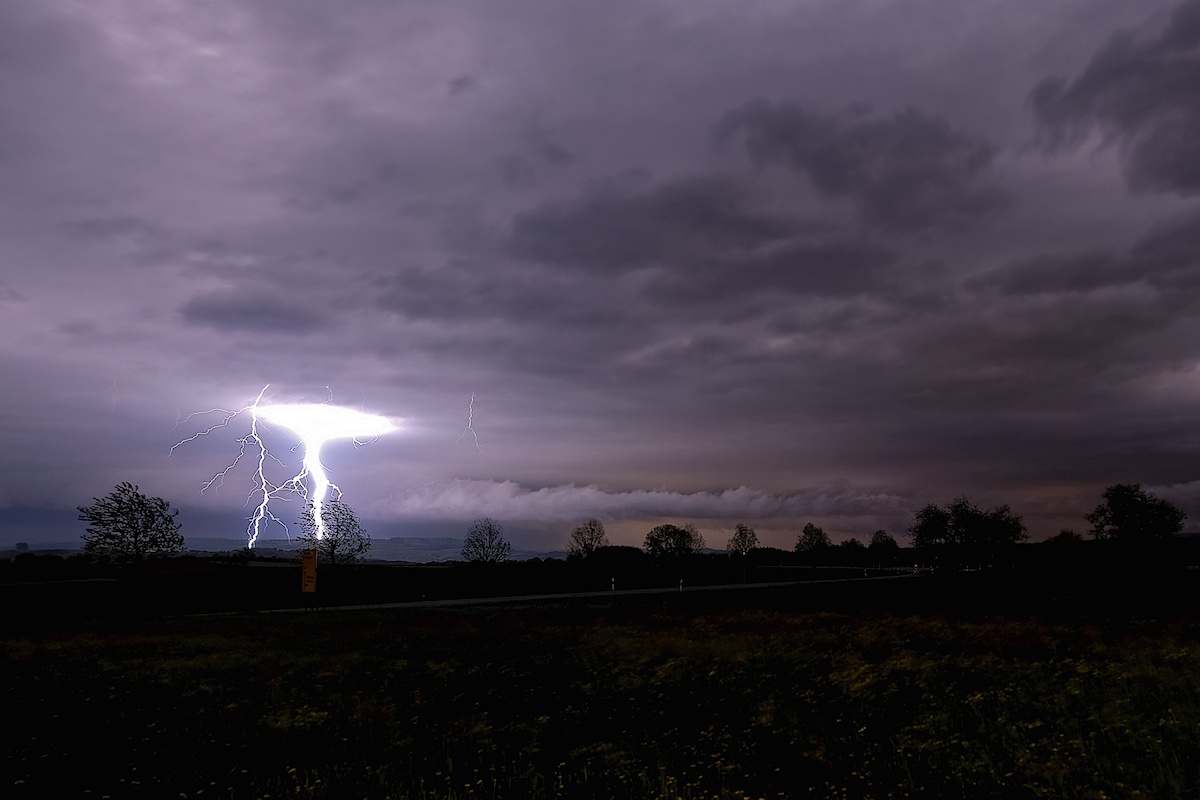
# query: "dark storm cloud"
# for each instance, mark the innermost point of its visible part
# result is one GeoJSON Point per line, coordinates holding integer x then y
{"type": "Point", "coordinates": [702, 240]}
{"type": "Point", "coordinates": [1043, 360]}
{"type": "Point", "coordinates": [522, 318]}
{"type": "Point", "coordinates": [108, 227]}
{"type": "Point", "coordinates": [526, 203]}
{"type": "Point", "coordinates": [1052, 273]}
{"type": "Point", "coordinates": [1096, 321]}
{"type": "Point", "coordinates": [518, 172]}
{"type": "Point", "coordinates": [827, 266]}
{"type": "Point", "coordinates": [521, 171]}
{"type": "Point", "coordinates": [623, 225]}
{"type": "Point", "coordinates": [460, 84]}
{"type": "Point", "coordinates": [1142, 94]}
{"type": "Point", "coordinates": [1169, 256]}
{"type": "Point", "coordinates": [471, 292]}
{"type": "Point", "coordinates": [548, 148]}
{"type": "Point", "coordinates": [242, 311]}
{"type": "Point", "coordinates": [9, 295]}
{"type": "Point", "coordinates": [1010, 390]}
{"type": "Point", "coordinates": [80, 328]}
{"type": "Point", "coordinates": [553, 153]}
{"type": "Point", "coordinates": [34, 44]}
{"type": "Point", "coordinates": [1166, 259]}
{"type": "Point", "coordinates": [907, 173]}
{"type": "Point", "coordinates": [1058, 355]}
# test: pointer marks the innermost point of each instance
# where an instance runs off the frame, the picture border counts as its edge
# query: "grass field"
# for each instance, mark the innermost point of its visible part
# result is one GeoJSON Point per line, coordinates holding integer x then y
{"type": "Point", "coordinates": [654, 697]}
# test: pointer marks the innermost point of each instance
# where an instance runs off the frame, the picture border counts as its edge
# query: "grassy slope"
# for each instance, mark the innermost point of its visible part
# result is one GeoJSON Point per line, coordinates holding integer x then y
{"type": "Point", "coordinates": [676, 696]}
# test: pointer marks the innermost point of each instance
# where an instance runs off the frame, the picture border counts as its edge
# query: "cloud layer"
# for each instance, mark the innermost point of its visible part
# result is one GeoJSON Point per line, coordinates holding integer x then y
{"type": "Point", "coordinates": [668, 259]}
{"type": "Point", "coordinates": [1140, 92]}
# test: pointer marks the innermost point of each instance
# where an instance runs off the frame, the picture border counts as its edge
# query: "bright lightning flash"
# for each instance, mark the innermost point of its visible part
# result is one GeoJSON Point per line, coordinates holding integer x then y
{"type": "Point", "coordinates": [315, 424]}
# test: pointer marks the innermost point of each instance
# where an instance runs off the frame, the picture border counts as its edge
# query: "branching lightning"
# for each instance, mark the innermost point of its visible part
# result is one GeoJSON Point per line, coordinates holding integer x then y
{"type": "Point", "coordinates": [470, 425]}
{"type": "Point", "coordinates": [315, 424]}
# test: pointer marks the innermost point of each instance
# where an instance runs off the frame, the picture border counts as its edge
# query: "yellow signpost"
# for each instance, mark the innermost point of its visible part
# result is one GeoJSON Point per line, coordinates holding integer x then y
{"type": "Point", "coordinates": [308, 571]}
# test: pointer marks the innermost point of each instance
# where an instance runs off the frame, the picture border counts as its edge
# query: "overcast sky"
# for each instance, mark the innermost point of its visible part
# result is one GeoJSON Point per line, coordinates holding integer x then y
{"type": "Point", "coordinates": [696, 260]}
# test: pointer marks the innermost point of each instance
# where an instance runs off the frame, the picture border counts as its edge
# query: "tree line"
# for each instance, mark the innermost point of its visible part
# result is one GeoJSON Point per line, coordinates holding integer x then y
{"type": "Point", "coordinates": [127, 526]}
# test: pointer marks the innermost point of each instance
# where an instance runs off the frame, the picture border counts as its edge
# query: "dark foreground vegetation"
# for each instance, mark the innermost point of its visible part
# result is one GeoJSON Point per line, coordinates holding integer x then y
{"type": "Point", "coordinates": [49, 587]}
{"type": "Point", "coordinates": [965, 684]}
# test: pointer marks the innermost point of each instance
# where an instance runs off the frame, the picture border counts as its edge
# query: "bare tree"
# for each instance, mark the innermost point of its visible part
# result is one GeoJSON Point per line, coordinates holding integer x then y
{"type": "Point", "coordinates": [127, 526]}
{"type": "Point", "coordinates": [485, 542]}
{"type": "Point", "coordinates": [343, 539]}
{"type": "Point", "coordinates": [744, 540]}
{"type": "Point", "coordinates": [587, 539]}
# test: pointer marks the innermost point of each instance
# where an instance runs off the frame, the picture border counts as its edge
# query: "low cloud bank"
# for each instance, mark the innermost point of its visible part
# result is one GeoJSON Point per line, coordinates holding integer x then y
{"type": "Point", "coordinates": [509, 500]}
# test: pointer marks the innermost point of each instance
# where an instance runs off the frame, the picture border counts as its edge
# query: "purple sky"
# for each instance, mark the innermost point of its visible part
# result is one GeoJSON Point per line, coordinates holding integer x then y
{"type": "Point", "coordinates": [697, 261]}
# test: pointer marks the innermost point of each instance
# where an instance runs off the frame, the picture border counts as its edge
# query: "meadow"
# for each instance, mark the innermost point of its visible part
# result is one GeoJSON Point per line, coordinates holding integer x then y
{"type": "Point", "coordinates": [751, 694]}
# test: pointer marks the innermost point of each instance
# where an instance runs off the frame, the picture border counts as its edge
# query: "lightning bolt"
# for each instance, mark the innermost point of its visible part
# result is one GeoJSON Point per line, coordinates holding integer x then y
{"type": "Point", "coordinates": [470, 425]}
{"type": "Point", "coordinates": [315, 424]}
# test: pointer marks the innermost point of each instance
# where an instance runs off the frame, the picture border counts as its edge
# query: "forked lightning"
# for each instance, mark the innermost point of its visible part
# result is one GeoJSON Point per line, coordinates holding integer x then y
{"type": "Point", "coordinates": [315, 424]}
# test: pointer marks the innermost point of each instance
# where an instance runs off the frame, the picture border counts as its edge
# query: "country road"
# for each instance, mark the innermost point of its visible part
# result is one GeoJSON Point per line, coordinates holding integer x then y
{"type": "Point", "coordinates": [528, 598]}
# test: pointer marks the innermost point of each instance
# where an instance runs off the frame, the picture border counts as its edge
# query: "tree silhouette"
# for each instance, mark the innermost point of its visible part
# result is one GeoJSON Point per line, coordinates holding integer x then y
{"type": "Point", "coordinates": [672, 540]}
{"type": "Point", "coordinates": [587, 539]}
{"type": "Point", "coordinates": [343, 540]}
{"type": "Point", "coordinates": [485, 542]}
{"type": "Point", "coordinates": [744, 540]}
{"type": "Point", "coordinates": [961, 524]}
{"type": "Point", "coordinates": [1065, 537]}
{"type": "Point", "coordinates": [932, 527]}
{"type": "Point", "coordinates": [883, 548]}
{"type": "Point", "coordinates": [883, 542]}
{"type": "Point", "coordinates": [1129, 514]}
{"type": "Point", "coordinates": [811, 539]}
{"type": "Point", "coordinates": [127, 526]}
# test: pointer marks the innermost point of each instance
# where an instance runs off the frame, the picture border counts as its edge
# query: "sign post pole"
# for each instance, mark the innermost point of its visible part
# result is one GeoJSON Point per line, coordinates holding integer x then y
{"type": "Point", "coordinates": [308, 571]}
